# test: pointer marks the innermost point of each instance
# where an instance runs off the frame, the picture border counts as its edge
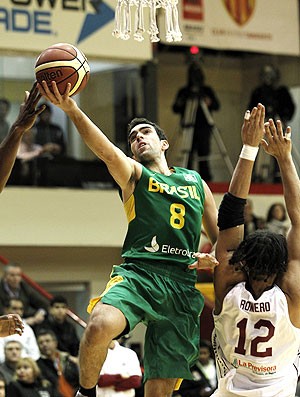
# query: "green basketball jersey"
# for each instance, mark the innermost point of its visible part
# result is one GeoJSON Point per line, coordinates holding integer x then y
{"type": "Point", "coordinates": [164, 217]}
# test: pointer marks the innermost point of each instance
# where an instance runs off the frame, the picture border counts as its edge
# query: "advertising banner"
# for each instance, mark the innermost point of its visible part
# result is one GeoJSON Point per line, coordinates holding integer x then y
{"type": "Point", "coordinates": [33, 25]}
{"type": "Point", "coordinates": [268, 26]}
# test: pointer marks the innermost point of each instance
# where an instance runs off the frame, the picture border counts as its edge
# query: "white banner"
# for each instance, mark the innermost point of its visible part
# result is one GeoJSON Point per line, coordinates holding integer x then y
{"type": "Point", "coordinates": [33, 25]}
{"type": "Point", "coordinates": [268, 26]}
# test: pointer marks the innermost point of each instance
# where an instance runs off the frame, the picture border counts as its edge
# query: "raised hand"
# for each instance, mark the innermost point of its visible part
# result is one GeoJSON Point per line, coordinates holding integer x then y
{"type": "Point", "coordinates": [253, 127]}
{"type": "Point", "coordinates": [11, 324]}
{"type": "Point", "coordinates": [28, 112]}
{"type": "Point", "coordinates": [277, 142]}
{"type": "Point", "coordinates": [63, 101]}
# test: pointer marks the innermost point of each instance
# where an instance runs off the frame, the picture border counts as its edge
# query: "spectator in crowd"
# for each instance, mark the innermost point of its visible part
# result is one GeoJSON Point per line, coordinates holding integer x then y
{"type": "Point", "coordinates": [4, 110]}
{"type": "Point", "coordinates": [12, 354]}
{"type": "Point", "coordinates": [121, 372]}
{"type": "Point", "coordinates": [252, 222]}
{"type": "Point", "coordinates": [26, 156]}
{"type": "Point", "coordinates": [27, 339]}
{"type": "Point", "coordinates": [48, 134]}
{"type": "Point", "coordinates": [276, 219]}
{"type": "Point", "coordinates": [29, 382]}
{"type": "Point", "coordinates": [275, 97]}
{"type": "Point", "coordinates": [9, 146]}
{"type": "Point", "coordinates": [12, 286]}
{"type": "Point", "coordinates": [207, 102]}
{"type": "Point", "coordinates": [51, 137]}
{"type": "Point", "coordinates": [58, 322]}
{"type": "Point", "coordinates": [2, 386]}
{"type": "Point", "coordinates": [279, 104]}
{"type": "Point", "coordinates": [204, 374]}
{"type": "Point", "coordinates": [60, 368]}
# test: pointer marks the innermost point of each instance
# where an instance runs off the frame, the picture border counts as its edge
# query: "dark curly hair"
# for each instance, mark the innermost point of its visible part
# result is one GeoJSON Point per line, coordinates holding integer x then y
{"type": "Point", "coordinates": [141, 120]}
{"type": "Point", "coordinates": [262, 253]}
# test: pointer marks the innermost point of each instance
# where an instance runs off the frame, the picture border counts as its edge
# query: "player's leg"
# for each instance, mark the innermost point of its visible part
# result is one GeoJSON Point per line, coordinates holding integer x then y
{"type": "Point", "coordinates": [106, 323]}
{"type": "Point", "coordinates": [160, 387]}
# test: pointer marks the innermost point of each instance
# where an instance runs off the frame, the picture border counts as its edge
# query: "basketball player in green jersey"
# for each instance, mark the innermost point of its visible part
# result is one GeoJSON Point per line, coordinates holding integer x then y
{"type": "Point", "coordinates": [165, 208]}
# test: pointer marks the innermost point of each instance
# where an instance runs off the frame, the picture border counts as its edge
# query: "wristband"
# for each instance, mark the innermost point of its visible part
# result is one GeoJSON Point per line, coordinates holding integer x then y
{"type": "Point", "coordinates": [249, 152]}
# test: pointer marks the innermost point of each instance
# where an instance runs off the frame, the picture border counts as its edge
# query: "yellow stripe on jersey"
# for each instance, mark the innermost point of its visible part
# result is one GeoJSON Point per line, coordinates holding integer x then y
{"type": "Point", "coordinates": [178, 383]}
{"type": "Point", "coordinates": [113, 281]}
{"type": "Point", "coordinates": [130, 208]}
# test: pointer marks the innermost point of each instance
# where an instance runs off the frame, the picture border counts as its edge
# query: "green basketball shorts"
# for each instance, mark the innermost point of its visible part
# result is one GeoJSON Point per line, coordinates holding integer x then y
{"type": "Point", "coordinates": [167, 302]}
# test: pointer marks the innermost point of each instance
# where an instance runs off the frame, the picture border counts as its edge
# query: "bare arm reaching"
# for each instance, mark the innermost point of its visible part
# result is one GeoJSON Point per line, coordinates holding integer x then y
{"type": "Point", "coordinates": [121, 167]}
{"type": "Point", "coordinates": [279, 145]}
{"type": "Point", "coordinates": [230, 222]}
{"type": "Point", "coordinates": [10, 144]}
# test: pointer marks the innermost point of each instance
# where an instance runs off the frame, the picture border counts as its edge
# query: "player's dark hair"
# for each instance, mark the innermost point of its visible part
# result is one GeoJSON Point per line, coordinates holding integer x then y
{"type": "Point", "coordinates": [141, 120]}
{"type": "Point", "coordinates": [263, 253]}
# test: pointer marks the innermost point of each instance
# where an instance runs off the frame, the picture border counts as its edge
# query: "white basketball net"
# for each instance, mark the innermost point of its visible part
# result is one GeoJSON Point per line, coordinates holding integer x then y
{"type": "Point", "coordinates": [122, 28]}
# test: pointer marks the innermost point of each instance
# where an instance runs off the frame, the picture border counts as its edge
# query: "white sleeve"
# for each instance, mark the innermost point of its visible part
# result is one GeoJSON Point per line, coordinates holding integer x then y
{"type": "Point", "coordinates": [133, 366]}
{"type": "Point", "coordinates": [31, 348]}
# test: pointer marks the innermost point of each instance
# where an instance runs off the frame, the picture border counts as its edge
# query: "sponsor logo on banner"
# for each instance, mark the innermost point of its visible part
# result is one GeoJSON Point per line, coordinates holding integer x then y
{"type": "Point", "coordinates": [193, 9]}
{"type": "Point", "coordinates": [36, 16]}
{"type": "Point", "coordinates": [240, 10]}
{"type": "Point", "coordinates": [33, 25]}
{"type": "Point", "coordinates": [241, 25]}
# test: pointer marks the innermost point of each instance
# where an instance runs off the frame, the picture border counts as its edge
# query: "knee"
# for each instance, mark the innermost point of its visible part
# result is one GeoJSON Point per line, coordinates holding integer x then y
{"type": "Point", "coordinates": [98, 329]}
{"type": "Point", "coordinates": [104, 325]}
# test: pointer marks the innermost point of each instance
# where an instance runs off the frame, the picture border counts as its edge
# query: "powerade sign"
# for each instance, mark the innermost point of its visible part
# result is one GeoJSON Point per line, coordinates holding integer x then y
{"type": "Point", "coordinates": [36, 16]}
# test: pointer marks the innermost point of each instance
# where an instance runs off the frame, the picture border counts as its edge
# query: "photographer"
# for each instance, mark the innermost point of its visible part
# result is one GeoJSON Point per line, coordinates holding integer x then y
{"type": "Point", "coordinates": [207, 100]}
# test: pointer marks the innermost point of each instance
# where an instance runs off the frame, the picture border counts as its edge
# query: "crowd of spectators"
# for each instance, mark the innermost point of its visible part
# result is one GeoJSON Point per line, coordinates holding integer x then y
{"type": "Point", "coordinates": [43, 159]}
{"type": "Point", "coordinates": [44, 359]}
{"type": "Point", "coordinates": [274, 221]}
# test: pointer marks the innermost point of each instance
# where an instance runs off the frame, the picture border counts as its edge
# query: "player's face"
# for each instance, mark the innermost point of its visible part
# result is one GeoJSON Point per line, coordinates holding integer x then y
{"type": "Point", "coordinates": [145, 143]}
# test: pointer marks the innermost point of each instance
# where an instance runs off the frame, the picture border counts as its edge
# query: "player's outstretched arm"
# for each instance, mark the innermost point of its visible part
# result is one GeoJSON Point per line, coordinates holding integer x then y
{"type": "Point", "coordinates": [278, 144]}
{"type": "Point", "coordinates": [231, 211]}
{"type": "Point", "coordinates": [119, 165]}
{"type": "Point", "coordinates": [10, 145]}
{"type": "Point", "coordinates": [11, 324]}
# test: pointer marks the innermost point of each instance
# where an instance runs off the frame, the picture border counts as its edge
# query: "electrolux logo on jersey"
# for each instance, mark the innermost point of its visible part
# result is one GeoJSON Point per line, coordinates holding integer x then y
{"type": "Point", "coordinates": [255, 369]}
{"type": "Point", "coordinates": [168, 249]}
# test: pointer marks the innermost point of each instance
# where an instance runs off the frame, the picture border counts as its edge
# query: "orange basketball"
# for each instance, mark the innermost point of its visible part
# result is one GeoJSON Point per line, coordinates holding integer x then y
{"type": "Point", "coordinates": [64, 64]}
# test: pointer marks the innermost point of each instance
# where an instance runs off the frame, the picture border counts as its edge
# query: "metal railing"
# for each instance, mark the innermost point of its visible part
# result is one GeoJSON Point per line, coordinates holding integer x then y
{"type": "Point", "coordinates": [45, 294]}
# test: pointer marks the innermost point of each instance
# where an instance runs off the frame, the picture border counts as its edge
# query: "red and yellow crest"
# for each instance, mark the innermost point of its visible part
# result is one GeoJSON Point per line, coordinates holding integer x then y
{"type": "Point", "coordinates": [240, 10]}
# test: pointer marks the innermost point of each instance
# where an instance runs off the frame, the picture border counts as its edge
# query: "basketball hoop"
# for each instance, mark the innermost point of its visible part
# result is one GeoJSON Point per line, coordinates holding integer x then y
{"type": "Point", "coordinates": [122, 28]}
